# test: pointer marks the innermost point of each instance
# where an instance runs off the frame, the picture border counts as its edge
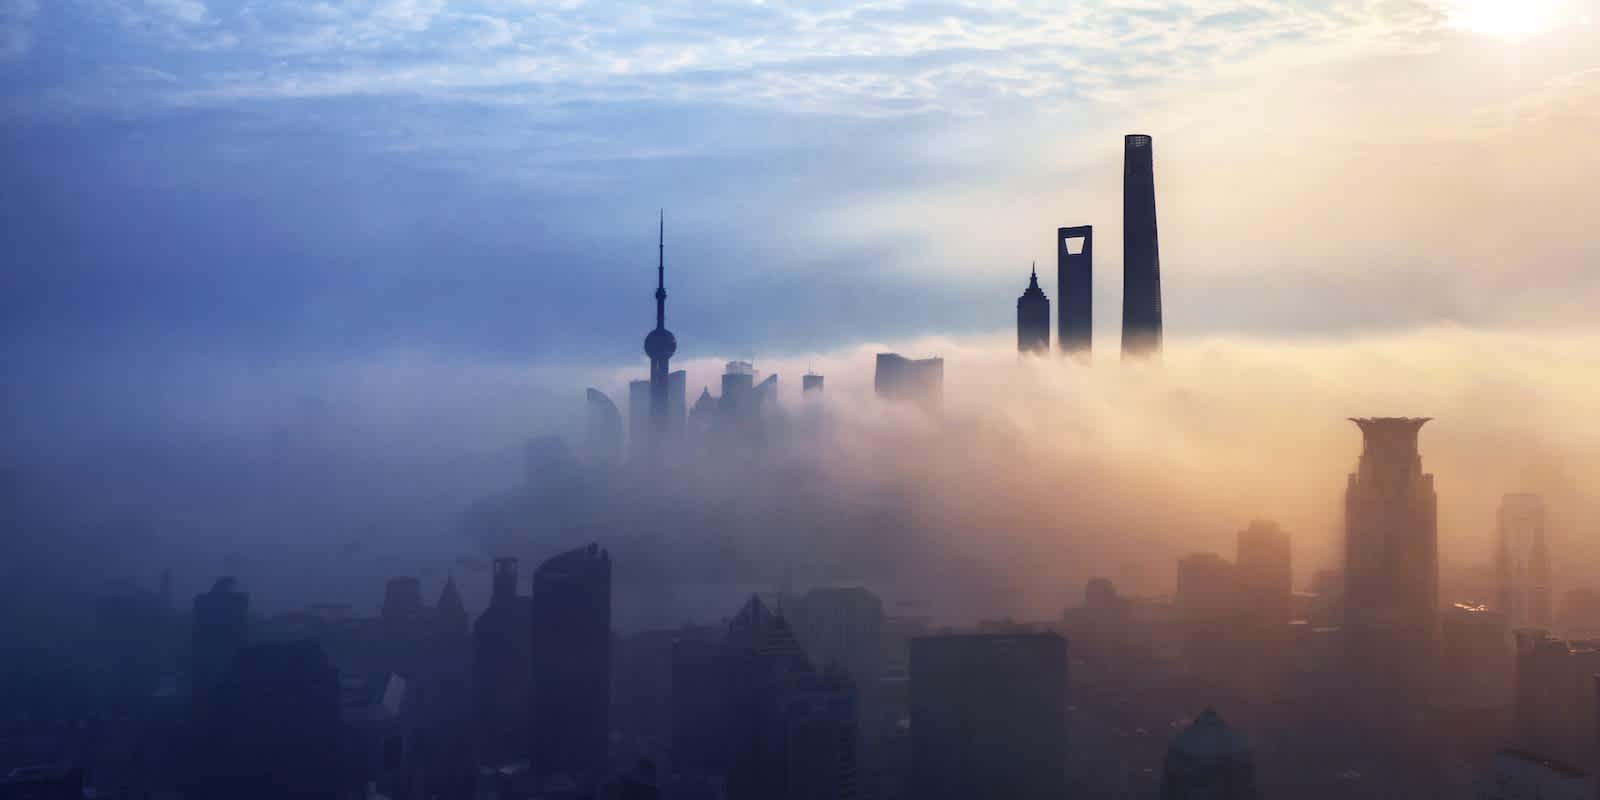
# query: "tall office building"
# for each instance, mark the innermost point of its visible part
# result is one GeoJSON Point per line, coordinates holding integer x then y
{"type": "Point", "coordinates": [603, 429]}
{"type": "Point", "coordinates": [1208, 761]}
{"type": "Point", "coordinates": [1522, 562]}
{"type": "Point", "coordinates": [918, 381]}
{"type": "Point", "coordinates": [1075, 289]}
{"type": "Point", "coordinates": [738, 390]}
{"type": "Point", "coordinates": [1141, 257]}
{"type": "Point", "coordinates": [1391, 567]}
{"type": "Point", "coordinates": [273, 728]}
{"type": "Point", "coordinates": [502, 667]}
{"type": "Point", "coordinates": [220, 629]}
{"type": "Point", "coordinates": [639, 419]}
{"type": "Point", "coordinates": [677, 400]}
{"type": "Point", "coordinates": [1033, 317]}
{"type": "Point", "coordinates": [988, 716]}
{"type": "Point", "coordinates": [660, 345]}
{"type": "Point", "coordinates": [810, 382]}
{"type": "Point", "coordinates": [1555, 713]}
{"type": "Point", "coordinates": [1265, 572]}
{"type": "Point", "coordinates": [571, 687]}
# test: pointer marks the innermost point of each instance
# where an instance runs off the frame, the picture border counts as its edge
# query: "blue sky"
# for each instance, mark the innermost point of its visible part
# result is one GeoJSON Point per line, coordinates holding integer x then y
{"type": "Point", "coordinates": [263, 181]}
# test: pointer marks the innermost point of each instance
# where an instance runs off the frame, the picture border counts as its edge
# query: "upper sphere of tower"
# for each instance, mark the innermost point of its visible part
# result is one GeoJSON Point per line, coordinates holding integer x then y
{"type": "Point", "coordinates": [660, 344]}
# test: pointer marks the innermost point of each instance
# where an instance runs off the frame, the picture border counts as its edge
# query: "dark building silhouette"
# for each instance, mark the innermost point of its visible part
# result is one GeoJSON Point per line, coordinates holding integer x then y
{"type": "Point", "coordinates": [660, 344]}
{"type": "Point", "coordinates": [767, 393]}
{"type": "Point", "coordinates": [1391, 569]}
{"type": "Point", "coordinates": [221, 626]}
{"type": "Point", "coordinates": [1208, 761]}
{"type": "Point", "coordinates": [602, 429]}
{"type": "Point", "coordinates": [1075, 289]}
{"type": "Point", "coordinates": [1033, 317]}
{"type": "Point", "coordinates": [752, 709]}
{"type": "Point", "coordinates": [402, 599]}
{"type": "Point", "coordinates": [919, 381]}
{"type": "Point", "coordinates": [571, 688]}
{"type": "Point", "coordinates": [1555, 697]}
{"type": "Point", "coordinates": [1265, 573]}
{"type": "Point", "coordinates": [273, 728]}
{"type": "Point", "coordinates": [451, 612]}
{"type": "Point", "coordinates": [639, 419]}
{"type": "Point", "coordinates": [50, 782]}
{"type": "Point", "coordinates": [988, 716]}
{"type": "Point", "coordinates": [1522, 562]}
{"type": "Point", "coordinates": [1141, 257]}
{"type": "Point", "coordinates": [502, 668]}
{"type": "Point", "coordinates": [738, 390]}
{"type": "Point", "coordinates": [810, 382]}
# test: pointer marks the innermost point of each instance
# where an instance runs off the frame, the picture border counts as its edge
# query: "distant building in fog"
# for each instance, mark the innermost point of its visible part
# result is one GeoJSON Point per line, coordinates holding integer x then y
{"type": "Point", "coordinates": [767, 393]}
{"type": "Point", "coordinates": [1208, 761]}
{"type": "Point", "coordinates": [1391, 569]}
{"type": "Point", "coordinates": [273, 728]}
{"type": "Point", "coordinates": [754, 710]}
{"type": "Point", "coordinates": [1207, 587]}
{"type": "Point", "coordinates": [602, 429]}
{"type": "Point", "coordinates": [1075, 290]}
{"type": "Point", "coordinates": [738, 389]}
{"type": "Point", "coordinates": [1580, 614]}
{"type": "Point", "coordinates": [1265, 572]}
{"type": "Point", "coordinates": [221, 627]}
{"type": "Point", "coordinates": [1141, 257]}
{"type": "Point", "coordinates": [810, 382]}
{"type": "Point", "coordinates": [1522, 562]}
{"type": "Point", "coordinates": [1033, 318]}
{"type": "Point", "coordinates": [1476, 643]}
{"type": "Point", "coordinates": [842, 626]}
{"type": "Point", "coordinates": [988, 716]}
{"type": "Point", "coordinates": [571, 688]}
{"type": "Point", "coordinates": [1520, 775]}
{"type": "Point", "coordinates": [402, 600]}
{"type": "Point", "coordinates": [1555, 697]}
{"type": "Point", "coordinates": [502, 666]}
{"type": "Point", "coordinates": [638, 418]}
{"type": "Point", "coordinates": [911, 380]}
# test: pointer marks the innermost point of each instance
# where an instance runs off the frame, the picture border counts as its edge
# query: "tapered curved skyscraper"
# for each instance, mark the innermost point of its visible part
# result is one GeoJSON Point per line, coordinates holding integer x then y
{"type": "Point", "coordinates": [660, 344]}
{"type": "Point", "coordinates": [1141, 258]}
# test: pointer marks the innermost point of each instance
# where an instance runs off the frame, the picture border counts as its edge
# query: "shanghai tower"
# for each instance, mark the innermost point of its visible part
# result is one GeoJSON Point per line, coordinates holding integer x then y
{"type": "Point", "coordinates": [1141, 258]}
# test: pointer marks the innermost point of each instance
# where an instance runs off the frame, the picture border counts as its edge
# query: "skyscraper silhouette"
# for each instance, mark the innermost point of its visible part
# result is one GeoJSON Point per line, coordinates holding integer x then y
{"type": "Point", "coordinates": [1391, 555]}
{"type": "Point", "coordinates": [660, 344]}
{"type": "Point", "coordinates": [1208, 761]}
{"type": "Point", "coordinates": [571, 685]}
{"type": "Point", "coordinates": [1033, 318]}
{"type": "Point", "coordinates": [1522, 562]}
{"type": "Point", "coordinates": [1141, 257]}
{"type": "Point", "coordinates": [1075, 289]}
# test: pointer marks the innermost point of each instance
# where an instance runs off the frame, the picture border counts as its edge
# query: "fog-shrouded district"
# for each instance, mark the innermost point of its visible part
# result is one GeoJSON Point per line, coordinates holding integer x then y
{"type": "Point", "coordinates": [313, 483]}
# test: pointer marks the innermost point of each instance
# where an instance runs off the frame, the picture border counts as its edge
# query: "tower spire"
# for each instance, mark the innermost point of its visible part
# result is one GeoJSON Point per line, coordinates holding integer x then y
{"type": "Point", "coordinates": [661, 271]}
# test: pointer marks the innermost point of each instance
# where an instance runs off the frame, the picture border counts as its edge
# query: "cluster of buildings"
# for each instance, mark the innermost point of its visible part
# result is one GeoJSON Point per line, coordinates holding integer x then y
{"type": "Point", "coordinates": [1141, 273]}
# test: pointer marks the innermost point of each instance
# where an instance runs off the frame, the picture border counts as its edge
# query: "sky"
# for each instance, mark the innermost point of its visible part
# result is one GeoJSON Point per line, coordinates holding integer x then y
{"type": "Point", "coordinates": [434, 223]}
{"type": "Point", "coordinates": [266, 181]}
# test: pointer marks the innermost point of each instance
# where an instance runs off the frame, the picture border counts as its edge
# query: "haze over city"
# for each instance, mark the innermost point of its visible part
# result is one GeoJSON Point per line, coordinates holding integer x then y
{"type": "Point", "coordinates": [320, 297]}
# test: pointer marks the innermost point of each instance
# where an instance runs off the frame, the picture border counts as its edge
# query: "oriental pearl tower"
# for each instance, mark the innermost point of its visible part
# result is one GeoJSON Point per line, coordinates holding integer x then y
{"type": "Point", "coordinates": [660, 344]}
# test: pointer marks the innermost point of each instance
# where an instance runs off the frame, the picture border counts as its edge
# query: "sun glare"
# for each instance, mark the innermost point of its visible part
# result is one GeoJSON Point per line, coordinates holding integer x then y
{"type": "Point", "coordinates": [1505, 17]}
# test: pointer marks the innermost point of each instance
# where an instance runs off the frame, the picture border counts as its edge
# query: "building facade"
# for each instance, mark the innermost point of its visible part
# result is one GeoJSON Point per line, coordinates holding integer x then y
{"type": "Point", "coordinates": [1033, 318]}
{"type": "Point", "coordinates": [988, 716]}
{"type": "Point", "coordinates": [1141, 256]}
{"type": "Point", "coordinates": [571, 686]}
{"type": "Point", "coordinates": [1075, 289]}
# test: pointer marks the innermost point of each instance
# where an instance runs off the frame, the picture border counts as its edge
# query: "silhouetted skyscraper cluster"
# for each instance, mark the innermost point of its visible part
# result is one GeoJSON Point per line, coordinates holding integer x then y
{"type": "Point", "coordinates": [1141, 273]}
